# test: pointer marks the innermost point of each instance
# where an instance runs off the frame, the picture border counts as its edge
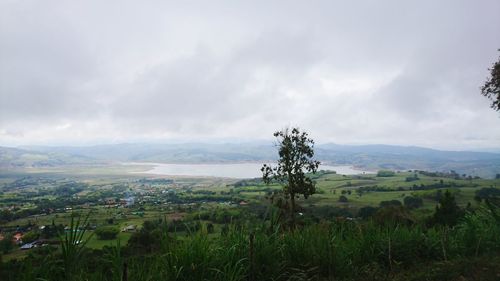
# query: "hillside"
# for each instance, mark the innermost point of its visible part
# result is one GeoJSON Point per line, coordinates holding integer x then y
{"type": "Point", "coordinates": [373, 157]}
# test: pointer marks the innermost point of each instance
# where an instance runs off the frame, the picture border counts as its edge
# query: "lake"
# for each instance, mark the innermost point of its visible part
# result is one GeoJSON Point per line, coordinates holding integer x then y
{"type": "Point", "coordinates": [230, 170]}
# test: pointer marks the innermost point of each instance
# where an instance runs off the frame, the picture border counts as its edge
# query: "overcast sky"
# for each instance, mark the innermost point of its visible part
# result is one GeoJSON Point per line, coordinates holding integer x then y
{"type": "Point", "coordinates": [356, 72]}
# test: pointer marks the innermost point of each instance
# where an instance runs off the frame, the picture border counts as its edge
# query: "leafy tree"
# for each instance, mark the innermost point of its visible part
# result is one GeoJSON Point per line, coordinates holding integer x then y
{"type": "Point", "coordinates": [491, 88]}
{"type": "Point", "coordinates": [106, 232]}
{"type": "Point", "coordinates": [30, 237]}
{"type": "Point", "coordinates": [447, 212]}
{"type": "Point", "coordinates": [343, 199]}
{"type": "Point", "coordinates": [296, 153]}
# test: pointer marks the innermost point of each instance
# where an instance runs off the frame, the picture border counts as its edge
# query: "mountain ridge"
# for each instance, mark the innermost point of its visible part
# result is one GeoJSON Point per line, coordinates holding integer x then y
{"type": "Point", "coordinates": [375, 156]}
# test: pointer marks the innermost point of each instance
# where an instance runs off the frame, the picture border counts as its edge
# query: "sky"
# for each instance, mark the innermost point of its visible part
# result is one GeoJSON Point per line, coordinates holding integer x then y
{"type": "Point", "coordinates": [348, 72]}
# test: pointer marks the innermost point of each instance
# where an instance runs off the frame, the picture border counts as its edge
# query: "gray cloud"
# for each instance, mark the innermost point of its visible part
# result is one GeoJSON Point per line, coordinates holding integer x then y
{"type": "Point", "coordinates": [364, 72]}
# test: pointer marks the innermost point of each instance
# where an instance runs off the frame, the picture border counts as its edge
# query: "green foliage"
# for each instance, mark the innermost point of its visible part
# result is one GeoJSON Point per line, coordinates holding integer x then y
{"type": "Point", "coordinates": [114, 257]}
{"type": "Point", "coordinates": [385, 173]}
{"type": "Point", "coordinates": [73, 245]}
{"type": "Point", "coordinates": [296, 153]}
{"type": "Point", "coordinates": [107, 232]}
{"type": "Point", "coordinates": [366, 212]}
{"type": "Point", "coordinates": [389, 203]}
{"type": "Point", "coordinates": [325, 251]}
{"type": "Point", "coordinates": [343, 199]}
{"type": "Point", "coordinates": [393, 215]}
{"type": "Point", "coordinates": [30, 236]}
{"type": "Point", "coordinates": [447, 212]}
{"type": "Point", "coordinates": [6, 245]}
{"type": "Point", "coordinates": [412, 202]}
{"type": "Point", "coordinates": [491, 88]}
{"type": "Point", "coordinates": [487, 193]}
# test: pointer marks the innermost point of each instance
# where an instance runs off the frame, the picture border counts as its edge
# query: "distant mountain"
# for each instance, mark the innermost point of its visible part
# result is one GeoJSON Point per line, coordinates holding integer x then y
{"type": "Point", "coordinates": [483, 164]}
{"type": "Point", "coordinates": [23, 158]}
{"type": "Point", "coordinates": [171, 153]}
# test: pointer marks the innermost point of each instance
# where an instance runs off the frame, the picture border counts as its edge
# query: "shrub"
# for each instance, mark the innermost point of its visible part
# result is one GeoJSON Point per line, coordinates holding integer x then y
{"type": "Point", "coordinates": [6, 244]}
{"type": "Point", "coordinates": [395, 203]}
{"type": "Point", "coordinates": [393, 215]}
{"type": "Point", "coordinates": [367, 212]}
{"type": "Point", "coordinates": [448, 212]}
{"type": "Point", "coordinates": [30, 237]}
{"type": "Point", "coordinates": [106, 232]}
{"type": "Point", "coordinates": [413, 202]}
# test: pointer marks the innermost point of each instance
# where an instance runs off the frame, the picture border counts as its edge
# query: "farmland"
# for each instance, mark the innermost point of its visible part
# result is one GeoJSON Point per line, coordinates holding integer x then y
{"type": "Point", "coordinates": [120, 197]}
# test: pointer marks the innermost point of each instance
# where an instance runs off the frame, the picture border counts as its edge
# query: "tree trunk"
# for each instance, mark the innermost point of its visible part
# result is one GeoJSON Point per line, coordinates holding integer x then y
{"type": "Point", "coordinates": [292, 208]}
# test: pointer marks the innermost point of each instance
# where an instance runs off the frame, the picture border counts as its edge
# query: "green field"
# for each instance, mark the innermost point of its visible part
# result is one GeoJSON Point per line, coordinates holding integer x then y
{"type": "Point", "coordinates": [176, 198]}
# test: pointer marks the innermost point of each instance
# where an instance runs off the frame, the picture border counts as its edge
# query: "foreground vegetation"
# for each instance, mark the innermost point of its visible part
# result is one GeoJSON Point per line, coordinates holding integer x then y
{"type": "Point", "coordinates": [343, 250]}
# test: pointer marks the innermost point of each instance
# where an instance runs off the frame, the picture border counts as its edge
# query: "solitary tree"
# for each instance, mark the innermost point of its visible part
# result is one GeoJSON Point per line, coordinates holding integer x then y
{"type": "Point", "coordinates": [296, 153]}
{"type": "Point", "coordinates": [491, 88]}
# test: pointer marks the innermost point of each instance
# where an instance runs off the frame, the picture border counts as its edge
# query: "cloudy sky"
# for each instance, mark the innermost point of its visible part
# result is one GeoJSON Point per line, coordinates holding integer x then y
{"type": "Point", "coordinates": [356, 72]}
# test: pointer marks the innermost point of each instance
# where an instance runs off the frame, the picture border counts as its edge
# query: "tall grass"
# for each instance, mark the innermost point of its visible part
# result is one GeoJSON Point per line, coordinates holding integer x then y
{"type": "Point", "coordinates": [324, 251]}
{"type": "Point", "coordinates": [73, 244]}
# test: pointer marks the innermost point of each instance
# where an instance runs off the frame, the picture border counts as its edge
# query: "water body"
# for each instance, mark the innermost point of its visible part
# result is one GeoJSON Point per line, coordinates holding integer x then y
{"type": "Point", "coordinates": [234, 170]}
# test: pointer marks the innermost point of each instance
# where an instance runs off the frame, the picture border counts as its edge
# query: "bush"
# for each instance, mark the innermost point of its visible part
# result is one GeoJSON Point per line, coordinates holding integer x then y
{"type": "Point", "coordinates": [413, 202]}
{"type": "Point", "coordinates": [447, 212]}
{"type": "Point", "coordinates": [107, 232]}
{"type": "Point", "coordinates": [389, 203]}
{"type": "Point", "coordinates": [343, 199]}
{"type": "Point", "coordinates": [30, 237]}
{"type": "Point", "coordinates": [367, 212]}
{"type": "Point", "coordinates": [393, 215]}
{"type": "Point", "coordinates": [487, 193]}
{"type": "Point", "coordinates": [6, 244]}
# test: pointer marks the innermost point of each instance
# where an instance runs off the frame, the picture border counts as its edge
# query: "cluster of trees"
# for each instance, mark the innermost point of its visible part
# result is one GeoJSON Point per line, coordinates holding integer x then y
{"type": "Point", "coordinates": [218, 215]}
{"type": "Point", "coordinates": [385, 173]}
{"type": "Point", "coordinates": [412, 178]}
{"type": "Point", "coordinates": [439, 185]}
{"type": "Point", "coordinates": [447, 211]}
{"type": "Point", "coordinates": [487, 193]}
{"type": "Point", "coordinates": [107, 232]}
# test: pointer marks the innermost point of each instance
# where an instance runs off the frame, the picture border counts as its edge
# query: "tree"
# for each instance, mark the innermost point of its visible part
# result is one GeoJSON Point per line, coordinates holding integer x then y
{"type": "Point", "coordinates": [491, 88]}
{"type": "Point", "coordinates": [395, 203]}
{"type": "Point", "coordinates": [296, 154]}
{"type": "Point", "coordinates": [30, 237]}
{"type": "Point", "coordinates": [107, 232]}
{"type": "Point", "coordinates": [343, 199]}
{"type": "Point", "coordinates": [447, 212]}
{"type": "Point", "coordinates": [412, 202]}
